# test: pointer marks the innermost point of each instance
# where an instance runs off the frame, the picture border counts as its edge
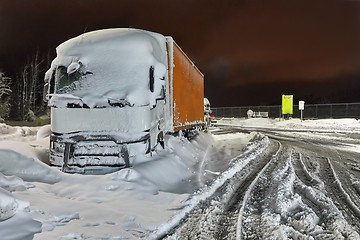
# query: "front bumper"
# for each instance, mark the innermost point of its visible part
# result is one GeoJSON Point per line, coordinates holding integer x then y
{"type": "Point", "coordinates": [96, 153]}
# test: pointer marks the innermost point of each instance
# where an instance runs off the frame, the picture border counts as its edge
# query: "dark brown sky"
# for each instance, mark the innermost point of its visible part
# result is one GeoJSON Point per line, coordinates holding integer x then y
{"type": "Point", "coordinates": [250, 51]}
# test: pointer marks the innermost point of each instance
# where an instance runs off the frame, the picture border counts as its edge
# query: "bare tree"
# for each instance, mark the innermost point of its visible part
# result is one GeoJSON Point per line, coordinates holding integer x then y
{"type": "Point", "coordinates": [28, 88]}
{"type": "Point", "coordinates": [5, 92]}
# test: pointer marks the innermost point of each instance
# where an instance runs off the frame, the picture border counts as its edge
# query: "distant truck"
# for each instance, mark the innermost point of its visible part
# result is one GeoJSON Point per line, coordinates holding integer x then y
{"type": "Point", "coordinates": [115, 93]}
{"type": "Point", "coordinates": [207, 112]}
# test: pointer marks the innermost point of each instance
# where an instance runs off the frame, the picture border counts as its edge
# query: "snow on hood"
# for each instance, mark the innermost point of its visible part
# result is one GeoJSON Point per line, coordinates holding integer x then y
{"type": "Point", "coordinates": [112, 64]}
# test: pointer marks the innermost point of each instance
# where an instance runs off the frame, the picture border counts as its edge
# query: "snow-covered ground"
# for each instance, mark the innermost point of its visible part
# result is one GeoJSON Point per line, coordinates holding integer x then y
{"type": "Point", "coordinates": [40, 202]}
{"type": "Point", "coordinates": [326, 125]}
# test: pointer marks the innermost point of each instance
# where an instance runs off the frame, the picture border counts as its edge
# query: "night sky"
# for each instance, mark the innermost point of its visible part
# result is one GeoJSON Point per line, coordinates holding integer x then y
{"type": "Point", "coordinates": [250, 51]}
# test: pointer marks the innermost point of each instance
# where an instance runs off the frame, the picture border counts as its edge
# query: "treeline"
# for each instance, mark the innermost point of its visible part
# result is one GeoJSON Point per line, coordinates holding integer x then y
{"type": "Point", "coordinates": [21, 95]}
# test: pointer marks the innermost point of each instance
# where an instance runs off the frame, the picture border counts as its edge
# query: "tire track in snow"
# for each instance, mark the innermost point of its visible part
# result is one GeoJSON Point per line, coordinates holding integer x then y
{"type": "Point", "coordinates": [294, 193]}
{"type": "Point", "coordinates": [347, 180]}
{"type": "Point", "coordinates": [302, 172]}
{"type": "Point", "coordinates": [287, 202]}
{"type": "Point", "coordinates": [338, 194]}
{"type": "Point", "coordinates": [206, 220]}
{"type": "Point", "coordinates": [227, 226]}
{"type": "Point", "coordinates": [262, 216]}
{"type": "Point", "coordinates": [306, 180]}
{"type": "Point", "coordinates": [320, 189]}
{"type": "Point", "coordinates": [239, 229]}
{"type": "Point", "coordinates": [350, 194]}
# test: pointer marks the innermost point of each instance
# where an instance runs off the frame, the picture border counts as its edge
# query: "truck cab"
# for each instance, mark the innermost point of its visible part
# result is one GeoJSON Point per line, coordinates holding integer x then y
{"type": "Point", "coordinates": [106, 90]}
{"type": "Point", "coordinates": [111, 95]}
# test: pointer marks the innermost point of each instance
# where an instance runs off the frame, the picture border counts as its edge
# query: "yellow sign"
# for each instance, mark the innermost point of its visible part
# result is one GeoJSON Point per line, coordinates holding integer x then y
{"type": "Point", "coordinates": [287, 104]}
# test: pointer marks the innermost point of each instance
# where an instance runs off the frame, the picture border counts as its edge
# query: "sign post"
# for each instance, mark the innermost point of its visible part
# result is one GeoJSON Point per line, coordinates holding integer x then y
{"type": "Point", "coordinates": [301, 108]}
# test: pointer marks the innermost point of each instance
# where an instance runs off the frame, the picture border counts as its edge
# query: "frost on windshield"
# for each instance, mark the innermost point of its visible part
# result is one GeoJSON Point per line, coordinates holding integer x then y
{"type": "Point", "coordinates": [116, 67]}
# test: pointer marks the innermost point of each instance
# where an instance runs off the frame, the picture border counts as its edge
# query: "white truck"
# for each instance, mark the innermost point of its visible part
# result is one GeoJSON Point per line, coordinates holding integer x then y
{"type": "Point", "coordinates": [115, 93]}
{"type": "Point", "coordinates": [207, 112]}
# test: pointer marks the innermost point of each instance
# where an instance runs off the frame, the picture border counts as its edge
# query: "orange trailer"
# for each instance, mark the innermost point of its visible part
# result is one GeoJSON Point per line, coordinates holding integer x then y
{"type": "Point", "coordinates": [186, 87]}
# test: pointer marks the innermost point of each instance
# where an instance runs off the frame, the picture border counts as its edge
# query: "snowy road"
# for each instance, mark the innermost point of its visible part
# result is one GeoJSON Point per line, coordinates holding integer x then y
{"type": "Point", "coordinates": [286, 185]}
{"type": "Point", "coordinates": [253, 179]}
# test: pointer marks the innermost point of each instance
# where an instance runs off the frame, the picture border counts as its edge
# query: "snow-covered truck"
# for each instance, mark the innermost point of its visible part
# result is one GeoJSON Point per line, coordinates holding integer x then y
{"type": "Point", "coordinates": [115, 93]}
{"type": "Point", "coordinates": [207, 112]}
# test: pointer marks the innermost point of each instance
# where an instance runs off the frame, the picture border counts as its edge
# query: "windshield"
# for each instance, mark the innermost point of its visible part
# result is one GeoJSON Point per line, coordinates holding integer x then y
{"type": "Point", "coordinates": [67, 82]}
{"type": "Point", "coordinates": [63, 79]}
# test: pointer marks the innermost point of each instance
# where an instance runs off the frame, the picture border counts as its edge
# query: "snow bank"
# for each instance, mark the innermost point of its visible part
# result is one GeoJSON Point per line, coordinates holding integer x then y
{"type": "Point", "coordinates": [20, 226]}
{"type": "Point", "coordinates": [43, 132]}
{"type": "Point", "coordinates": [326, 125]}
{"type": "Point", "coordinates": [17, 133]}
{"type": "Point", "coordinates": [15, 221]}
{"type": "Point", "coordinates": [348, 124]}
{"type": "Point", "coordinates": [8, 205]}
{"type": "Point", "coordinates": [174, 169]}
{"type": "Point", "coordinates": [128, 204]}
{"type": "Point", "coordinates": [19, 159]}
{"type": "Point", "coordinates": [18, 163]}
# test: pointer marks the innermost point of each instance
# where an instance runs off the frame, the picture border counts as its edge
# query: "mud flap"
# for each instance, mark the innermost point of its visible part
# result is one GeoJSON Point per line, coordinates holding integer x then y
{"type": "Point", "coordinates": [191, 133]}
{"type": "Point", "coordinates": [65, 167]}
{"type": "Point", "coordinates": [125, 155]}
{"type": "Point", "coordinates": [160, 139]}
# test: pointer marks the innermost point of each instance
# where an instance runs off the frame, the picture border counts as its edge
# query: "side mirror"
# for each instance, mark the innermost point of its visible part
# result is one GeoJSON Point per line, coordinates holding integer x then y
{"type": "Point", "coordinates": [151, 79]}
{"type": "Point", "coordinates": [45, 92]}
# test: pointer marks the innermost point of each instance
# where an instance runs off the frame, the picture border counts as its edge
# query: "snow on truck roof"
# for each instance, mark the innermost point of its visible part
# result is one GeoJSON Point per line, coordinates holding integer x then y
{"type": "Point", "coordinates": [109, 64]}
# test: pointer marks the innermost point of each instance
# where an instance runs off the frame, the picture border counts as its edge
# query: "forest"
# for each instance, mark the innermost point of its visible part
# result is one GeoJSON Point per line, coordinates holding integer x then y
{"type": "Point", "coordinates": [22, 92]}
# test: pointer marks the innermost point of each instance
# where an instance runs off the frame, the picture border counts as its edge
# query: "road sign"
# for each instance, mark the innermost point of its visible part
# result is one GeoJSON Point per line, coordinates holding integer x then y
{"type": "Point", "coordinates": [301, 105]}
{"type": "Point", "coordinates": [287, 104]}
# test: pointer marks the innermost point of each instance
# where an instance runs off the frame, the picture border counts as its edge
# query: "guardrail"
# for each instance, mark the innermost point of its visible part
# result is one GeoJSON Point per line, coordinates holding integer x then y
{"type": "Point", "coordinates": [311, 111]}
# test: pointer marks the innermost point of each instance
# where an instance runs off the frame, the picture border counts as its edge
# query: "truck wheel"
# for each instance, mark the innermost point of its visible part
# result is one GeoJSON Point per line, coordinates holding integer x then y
{"type": "Point", "coordinates": [160, 139]}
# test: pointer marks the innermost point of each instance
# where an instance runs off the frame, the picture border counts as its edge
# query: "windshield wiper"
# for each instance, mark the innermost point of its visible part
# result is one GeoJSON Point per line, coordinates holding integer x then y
{"type": "Point", "coordinates": [118, 102]}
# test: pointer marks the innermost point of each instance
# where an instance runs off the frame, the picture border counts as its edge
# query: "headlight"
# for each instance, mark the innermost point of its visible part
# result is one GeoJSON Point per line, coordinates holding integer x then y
{"type": "Point", "coordinates": [57, 147]}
